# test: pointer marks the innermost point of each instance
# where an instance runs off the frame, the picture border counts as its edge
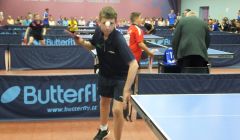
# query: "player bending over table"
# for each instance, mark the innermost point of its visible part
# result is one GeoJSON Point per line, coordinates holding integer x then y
{"type": "Point", "coordinates": [117, 70]}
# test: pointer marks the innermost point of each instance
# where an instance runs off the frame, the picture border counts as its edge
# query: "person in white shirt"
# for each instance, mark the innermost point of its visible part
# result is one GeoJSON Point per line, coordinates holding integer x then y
{"type": "Point", "coordinates": [10, 20]}
{"type": "Point", "coordinates": [81, 22]}
{"type": "Point", "coordinates": [91, 23]}
{"type": "Point", "coordinates": [1, 18]}
{"type": "Point", "coordinates": [167, 22]}
{"type": "Point", "coordinates": [161, 22]}
{"type": "Point", "coordinates": [51, 21]}
{"type": "Point", "coordinates": [147, 20]}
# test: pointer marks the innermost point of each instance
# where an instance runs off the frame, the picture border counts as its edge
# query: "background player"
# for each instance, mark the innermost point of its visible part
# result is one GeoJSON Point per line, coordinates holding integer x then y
{"type": "Point", "coordinates": [36, 31]}
{"type": "Point", "coordinates": [117, 71]}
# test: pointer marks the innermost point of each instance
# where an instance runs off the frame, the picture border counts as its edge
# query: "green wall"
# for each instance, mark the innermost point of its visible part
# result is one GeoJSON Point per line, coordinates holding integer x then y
{"type": "Point", "coordinates": [217, 8]}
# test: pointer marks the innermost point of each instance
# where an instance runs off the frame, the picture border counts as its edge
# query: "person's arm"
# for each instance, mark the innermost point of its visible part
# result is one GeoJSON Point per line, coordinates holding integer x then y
{"type": "Point", "coordinates": [44, 31]}
{"type": "Point", "coordinates": [222, 26]}
{"type": "Point", "coordinates": [86, 44]}
{"type": "Point", "coordinates": [212, 29]}
{"type": "Point", "coordinates": [26, 32]}
{"type": "Point", "coordinates": [144, 47]}
{"type": "Point", "coordinates": [129, 59]}
{"type": "Point", "coordinates": [132, 71]}
{"type": "Point", "coordinates": [79, 41]}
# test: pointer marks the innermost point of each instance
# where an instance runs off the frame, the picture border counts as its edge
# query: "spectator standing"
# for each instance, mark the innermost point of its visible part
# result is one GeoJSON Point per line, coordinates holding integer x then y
{"type": "Point", "coordinates": [172, 18]}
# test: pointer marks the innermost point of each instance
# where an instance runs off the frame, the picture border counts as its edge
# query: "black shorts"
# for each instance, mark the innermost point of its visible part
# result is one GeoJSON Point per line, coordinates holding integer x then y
{"type": "Point", "coordinates": [111, 88]}
{"type": "Point", "coordinates": [37, 37]}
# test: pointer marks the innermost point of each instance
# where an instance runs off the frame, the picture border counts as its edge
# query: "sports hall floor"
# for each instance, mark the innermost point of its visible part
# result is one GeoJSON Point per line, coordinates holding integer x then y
{"type": "Point", "coordinates": [74, 129]}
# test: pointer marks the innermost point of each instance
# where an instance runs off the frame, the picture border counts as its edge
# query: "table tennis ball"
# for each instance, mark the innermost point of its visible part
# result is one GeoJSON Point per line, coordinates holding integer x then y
{"type": "Point", "coordinates": [107, 23]}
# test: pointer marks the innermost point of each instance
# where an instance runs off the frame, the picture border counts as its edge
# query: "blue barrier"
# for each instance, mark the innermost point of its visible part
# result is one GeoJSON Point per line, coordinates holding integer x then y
{"type": "Point", "coordinates": [188, 83]}
{"type": "Point", "coordinates": [3, 48]}
{"type": "Point", "coordinates": [48, 97]}
{"type": "Point", "coordinates": [17, 31]}
{"type": "Point", "coordinates": [225, 39]}
{"type": "Point", "coordinates": [17, 27]}
{"type": "Point", "coordinates": [50, 57]}
{"type": "Point", "coordinates": [233, 48]}
{"type": "Point", "coordinates": [50, 40]}
{"type": "Point", "coordinates": [59, 40]}
{"type": "Point", "coordinates": [11, 39]}
{"type": "Point", "coordinates": [21, 55]}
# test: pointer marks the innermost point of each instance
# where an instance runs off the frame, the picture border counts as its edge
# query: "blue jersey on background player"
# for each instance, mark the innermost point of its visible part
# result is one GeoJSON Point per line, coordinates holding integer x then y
{"type": "Point", "coordinates": [45, 17]}
{"type": "Point", "coordinates": [171, 18]}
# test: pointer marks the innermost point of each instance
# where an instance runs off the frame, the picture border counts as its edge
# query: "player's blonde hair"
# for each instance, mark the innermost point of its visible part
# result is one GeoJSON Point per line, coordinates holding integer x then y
{"type": "Point", "coordinates": [107, 13]}
{"type": "Point", "coordinates": [134, 16]}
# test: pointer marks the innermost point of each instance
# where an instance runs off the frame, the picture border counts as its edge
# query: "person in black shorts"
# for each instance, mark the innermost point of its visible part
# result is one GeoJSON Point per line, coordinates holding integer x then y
{"type": "Point", "coordinates": [46, 18]}
{"type": "Point", "coordinates": [117, 71]}
{"type": "Point", "coordinates": [36, 31]}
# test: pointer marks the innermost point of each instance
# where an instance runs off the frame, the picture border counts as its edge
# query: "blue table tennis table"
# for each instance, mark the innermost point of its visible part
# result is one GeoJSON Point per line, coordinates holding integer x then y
{"type": "Point", "coordinates": [191, 116]}
{"type": "Point", "coordinates": [152, 38]}
{"type": "Point", "coordinates": [212, 53]}
{"type": "Point", "coordinates": [160, 49]}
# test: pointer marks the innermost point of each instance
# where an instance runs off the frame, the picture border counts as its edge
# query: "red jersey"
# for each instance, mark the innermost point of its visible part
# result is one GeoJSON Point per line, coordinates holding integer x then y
{"type": "Point", "coordinates": [136, 36]}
